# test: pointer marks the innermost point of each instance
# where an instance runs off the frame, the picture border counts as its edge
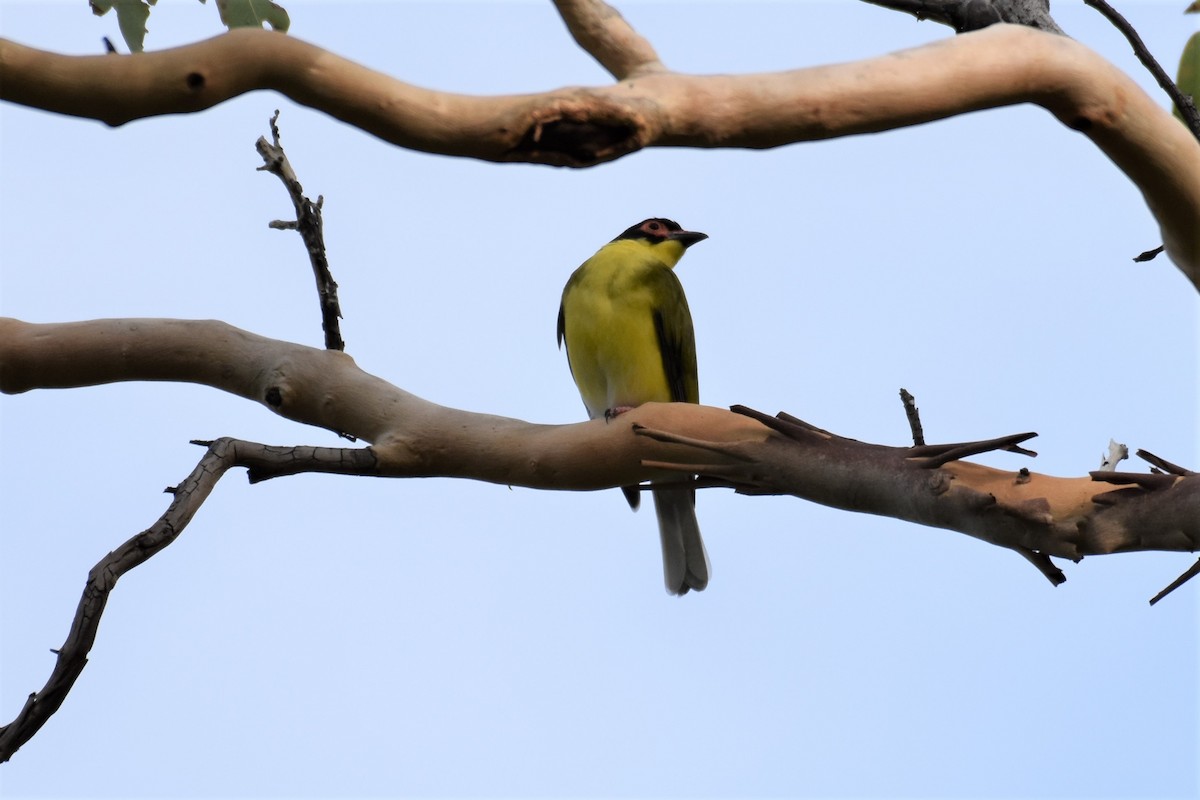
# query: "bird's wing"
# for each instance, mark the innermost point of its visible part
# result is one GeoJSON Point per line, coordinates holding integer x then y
{"type": "Point", "coordinates": [676, 338]}
{"type": "Point", "coordinates": [562, 332]}
{"type": "Point", "coordinates": [562, 325]}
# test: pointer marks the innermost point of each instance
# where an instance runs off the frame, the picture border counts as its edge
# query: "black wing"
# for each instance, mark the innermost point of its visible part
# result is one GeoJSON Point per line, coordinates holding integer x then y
{"type": "Point", "coordinates": [677, 341]}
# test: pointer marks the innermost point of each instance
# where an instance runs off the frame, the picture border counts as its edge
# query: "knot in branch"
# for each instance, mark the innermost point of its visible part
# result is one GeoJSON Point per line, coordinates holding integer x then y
{"type": "Point", "coordinates": [580, 134]}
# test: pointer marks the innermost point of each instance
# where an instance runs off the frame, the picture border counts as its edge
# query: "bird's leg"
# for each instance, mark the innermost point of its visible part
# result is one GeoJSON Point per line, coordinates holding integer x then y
{"type": "Point", "coordinates": [612, 413]}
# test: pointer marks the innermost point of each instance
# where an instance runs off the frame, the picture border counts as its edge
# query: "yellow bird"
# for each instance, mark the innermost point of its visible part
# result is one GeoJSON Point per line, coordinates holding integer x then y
{"type": "Point", "coordinates": [629, 340]}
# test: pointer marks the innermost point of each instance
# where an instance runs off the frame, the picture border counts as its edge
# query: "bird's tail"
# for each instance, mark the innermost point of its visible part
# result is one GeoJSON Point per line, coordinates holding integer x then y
{"type": "Point", "coordinates": [685, 563]}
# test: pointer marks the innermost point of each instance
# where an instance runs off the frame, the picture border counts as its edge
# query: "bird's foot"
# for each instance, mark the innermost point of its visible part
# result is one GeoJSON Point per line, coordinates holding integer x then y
{"type": "Point", "coordinates": [612, 413]}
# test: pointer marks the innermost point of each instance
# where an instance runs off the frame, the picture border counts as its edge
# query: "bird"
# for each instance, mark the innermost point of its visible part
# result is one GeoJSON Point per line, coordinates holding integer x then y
{"type": "Point", "coordinates": [629, 340]}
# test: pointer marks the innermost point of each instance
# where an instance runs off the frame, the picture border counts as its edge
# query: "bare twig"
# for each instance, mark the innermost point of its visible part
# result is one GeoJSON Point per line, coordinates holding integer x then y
{"type": "Point", "coordinates": [918, 431]}
{"type": "Point", "coordinates": [1044, 565]}
{"type": "Point", "coordinates": [1163, 464]}
{"type": "Point", "coordinates": [309, 223]}
{"type": "Point", "coordinates": [1144, 480]}
{"type": "Point", "coordinates": [1191, 572]}
{"type": "Point", "coordinates": [1149, 255]}
{"type": "Point", "coordinates": [1185, 104]}
{"type": "Point", "coordinates": [914, 416]}
{"type": "Point", "coordinates": [72, 656]}
{"type": "Point", "coordinates": [262, 462]}
{"type": "Point", "coordinates": [1151, 481]}
{"type": "Point", "coordinates": [941, 454]}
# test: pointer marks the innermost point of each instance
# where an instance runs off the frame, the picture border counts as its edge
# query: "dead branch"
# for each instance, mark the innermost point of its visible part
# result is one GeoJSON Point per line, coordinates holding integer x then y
{"type": "Point", "coordinates": [311, 228]}
{"type": "Point", "coordinates": [1148, 255]}
{"type": "Point", "coordinates": [1190, 573]}
{"type": "Point", "coordinates": [651, 106]}
{"type": "Point", "coordinates": [261, 461]}
{"type": "Point", "coordinates": [72, 656]}
{"type": "Point", "coordinates": [914, 416]}
{"type": "Point", "coordinates": [1163, 464]}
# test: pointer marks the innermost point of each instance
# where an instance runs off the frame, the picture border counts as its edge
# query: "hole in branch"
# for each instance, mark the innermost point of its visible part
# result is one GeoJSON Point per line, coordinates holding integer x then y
{"type": "Point", "coordinates": [576, 142]}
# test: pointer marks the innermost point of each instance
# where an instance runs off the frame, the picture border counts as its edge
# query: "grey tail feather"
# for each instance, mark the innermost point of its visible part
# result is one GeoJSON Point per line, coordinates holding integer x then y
{"type": "Point", "coordinates": [685, 563]}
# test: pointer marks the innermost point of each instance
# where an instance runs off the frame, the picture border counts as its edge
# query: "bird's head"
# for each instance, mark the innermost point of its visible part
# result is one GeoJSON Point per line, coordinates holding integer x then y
{"type": "Point", "coordinates": [664, 236]}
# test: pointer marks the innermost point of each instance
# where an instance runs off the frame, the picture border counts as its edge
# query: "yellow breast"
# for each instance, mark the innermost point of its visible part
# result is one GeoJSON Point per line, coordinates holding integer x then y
{"type": "Point", "coordinates": [608, 315]}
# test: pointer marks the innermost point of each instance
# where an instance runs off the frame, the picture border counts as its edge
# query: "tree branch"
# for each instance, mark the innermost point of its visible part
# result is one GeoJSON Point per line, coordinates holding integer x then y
{"type": "Point", "coordinates": [311, 229]}
{"type": "Point", "coordinates": [1190, 573]}
{"type": "Point", "coordinates": [1148, 255]}
{"type": "Point", "coordinates": [914, 416]}
{"type": "Point", "coordinates": [1037, 516]}
{"type": "Point", "coordinates": [411, 437]}
{"type": "Point", "coordinates": [262, 462]}
{"type": "Point", "coordinates": [1163, 464]}
{"type": "Point", "coordinates": [1062, 517]}
{"type": "Point", "coordinates": [72, 656]}
{"type": "Point", "coordinates": [1181, 101]}
{"type": "Point", "coordinates": [1001, 65]}
{"type": "Point", "coordinates": [973, 15]}
{"type": "Point", "coordinates": [601, 31]}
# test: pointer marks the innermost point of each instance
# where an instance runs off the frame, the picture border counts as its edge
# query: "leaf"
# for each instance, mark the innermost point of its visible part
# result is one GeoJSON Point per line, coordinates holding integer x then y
{"type": "Point", "coordinates": [252, 14]}
{"type": "Point", "coordinates": [131, 18]}
{"type": "Point", "coordinates": [1188, 80]}
{"type": "Point", "coordinates": [1194, 8]}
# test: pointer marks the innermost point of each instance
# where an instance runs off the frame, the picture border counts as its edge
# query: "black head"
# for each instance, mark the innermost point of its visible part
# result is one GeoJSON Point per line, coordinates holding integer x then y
{"type": "Point", "coordinates": [658, 229]}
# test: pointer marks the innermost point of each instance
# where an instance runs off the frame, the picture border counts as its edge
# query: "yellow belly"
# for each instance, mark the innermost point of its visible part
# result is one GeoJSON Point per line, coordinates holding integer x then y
{"type": "Point", "coordinates": [613, 349]}
{"type": "Point", "coordinates": [609, 311]}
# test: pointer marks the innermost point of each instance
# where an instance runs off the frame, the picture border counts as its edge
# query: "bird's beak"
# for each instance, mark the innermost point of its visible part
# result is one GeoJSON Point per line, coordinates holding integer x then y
{"type": "Point", "coordinates": [688, 238]}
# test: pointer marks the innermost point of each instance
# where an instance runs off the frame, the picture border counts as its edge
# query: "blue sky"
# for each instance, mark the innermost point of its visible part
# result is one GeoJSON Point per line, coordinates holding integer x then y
{"type": "Point", "coordinates": [335, 637]}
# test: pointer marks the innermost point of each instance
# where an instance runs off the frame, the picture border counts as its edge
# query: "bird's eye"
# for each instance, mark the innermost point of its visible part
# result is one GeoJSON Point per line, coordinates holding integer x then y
{"type": "Point", "coordinates": [653, 226]}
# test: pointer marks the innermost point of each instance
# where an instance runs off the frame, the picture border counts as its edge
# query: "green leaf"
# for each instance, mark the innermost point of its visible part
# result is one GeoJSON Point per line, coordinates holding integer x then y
{"type": "Point", "coordinates": [131, 18]}
{"type": "Point", "coordinates": [1188, 80]}
{"type": "Point", "coordinates": [252, 14]}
